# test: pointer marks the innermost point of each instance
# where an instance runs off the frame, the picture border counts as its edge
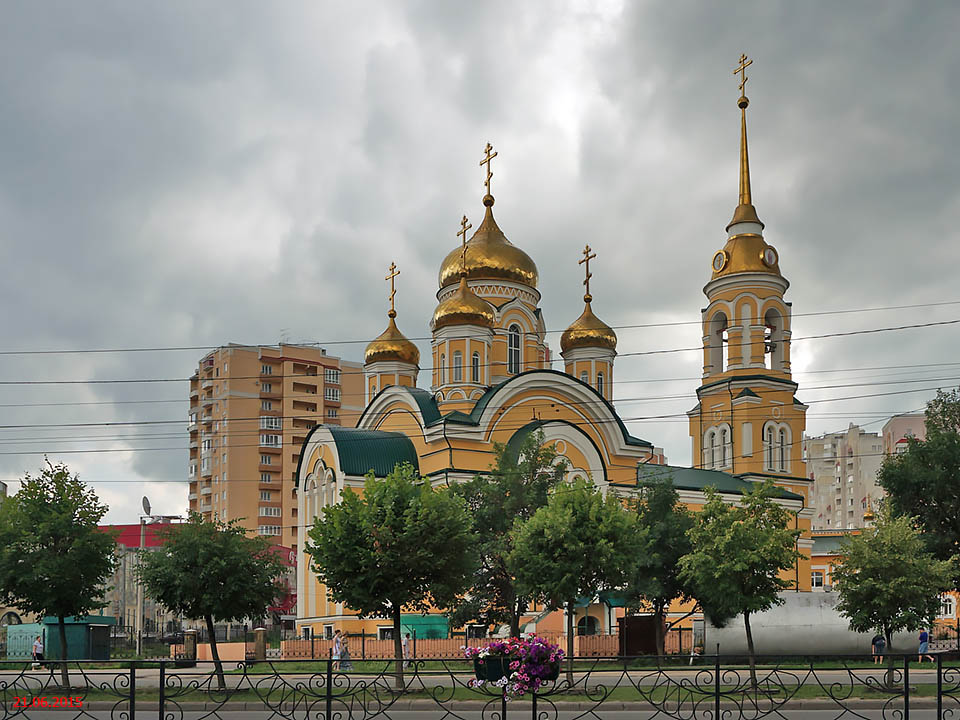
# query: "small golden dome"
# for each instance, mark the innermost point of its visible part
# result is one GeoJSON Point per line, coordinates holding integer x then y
{"type": "Point", "coordinates": [490, 256]}
{"type": "Point", "coordinates": [463, 308]}
{"type": "Point", "coordinates": [588, 331]}
{"type": "Point", "coordinates": [392, 346]}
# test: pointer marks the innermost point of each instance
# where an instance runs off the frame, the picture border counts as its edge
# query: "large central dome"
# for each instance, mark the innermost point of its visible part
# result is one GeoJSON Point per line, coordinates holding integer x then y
{"type": "Point", "coordinates": [490, 256]}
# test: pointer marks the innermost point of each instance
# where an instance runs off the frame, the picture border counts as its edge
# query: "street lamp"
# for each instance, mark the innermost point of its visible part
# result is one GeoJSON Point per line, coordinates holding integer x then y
{"type": "Point", "coordinates": [143, 529]}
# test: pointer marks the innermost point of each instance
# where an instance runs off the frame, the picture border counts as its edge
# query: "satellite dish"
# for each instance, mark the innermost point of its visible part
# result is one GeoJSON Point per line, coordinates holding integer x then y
{"type": "Point", "coordinates": [146, 505]}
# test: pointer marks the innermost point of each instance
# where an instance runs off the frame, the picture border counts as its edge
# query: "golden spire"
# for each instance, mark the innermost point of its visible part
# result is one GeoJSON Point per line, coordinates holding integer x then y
{"type": "Point", "coordinates": [488, 198]}
{"type": "Point", "coordinates": [393, 290]}
{"type": "Point", "coordinates": [587, 257]}
{"type": "Point", "coordinates": [745, 211]}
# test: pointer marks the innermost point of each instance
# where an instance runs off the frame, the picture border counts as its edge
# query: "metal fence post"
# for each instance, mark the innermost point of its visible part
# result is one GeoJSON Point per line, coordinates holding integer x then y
{"type": "Point", "coordinates": [414, 644]}
{"type": "Point", "coordinates": [363, 644]}
{"type": "Point", "coordinates": [329, 684]}
{"type": "Point", "coordinates": [312, 652]}
{"type": "Point", "coordinates": [939, 686]}
{"type": "Point", "coordinates": [133, 690]}
{"type": "Point", "coordinates": [716, 684]}
{"type": "Point", "coordinates": [163, 673]}
{"type": "Point", "coordinates": [906, 687]}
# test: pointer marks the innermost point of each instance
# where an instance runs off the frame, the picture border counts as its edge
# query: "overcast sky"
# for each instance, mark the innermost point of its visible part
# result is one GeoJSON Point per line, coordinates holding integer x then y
{"type": "Point", "coordinates": [195, 173]}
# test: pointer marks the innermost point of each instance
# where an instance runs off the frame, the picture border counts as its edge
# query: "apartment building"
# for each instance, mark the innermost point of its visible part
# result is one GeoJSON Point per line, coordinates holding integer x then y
{"type": "Point", "coordinates": [900, 427]}
{"type": "Point", "coordinates": [844, 469]}
{"type": "Point", "coordinates": [250, 410]}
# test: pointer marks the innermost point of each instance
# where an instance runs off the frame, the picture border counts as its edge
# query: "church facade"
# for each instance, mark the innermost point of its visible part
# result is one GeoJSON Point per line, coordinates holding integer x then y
{"type": "Point", "coordinates": [491, 381]}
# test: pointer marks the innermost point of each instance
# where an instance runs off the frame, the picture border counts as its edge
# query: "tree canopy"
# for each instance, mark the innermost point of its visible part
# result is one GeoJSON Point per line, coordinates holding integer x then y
{"type": "Point", "coordinates": [888, 580]}
{"type": "Point", "coordinates": [212, 571]}
{"type": "Point", "coordinates": [54, 560]}
{"type": "Point", "coordinates": [517, 486]}
{"type": "Point", "coordinates": [401, 545]}
{"type": "Point", "coordinates": [664, 523]}
{"type": "Point", "coordinates": [922, 482]}
{"type": "Point", "coordinates": [580, 543]}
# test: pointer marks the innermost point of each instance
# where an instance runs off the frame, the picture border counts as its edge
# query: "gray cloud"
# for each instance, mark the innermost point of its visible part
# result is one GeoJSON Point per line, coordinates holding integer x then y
{"type": "Point", "coordinates": [198, 173]}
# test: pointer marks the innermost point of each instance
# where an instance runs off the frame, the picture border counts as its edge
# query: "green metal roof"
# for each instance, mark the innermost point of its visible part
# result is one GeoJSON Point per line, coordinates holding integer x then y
{"type": "Point", "coordinates": [361, 451]}
{"type": "Point", "coordinates": [697, 479]}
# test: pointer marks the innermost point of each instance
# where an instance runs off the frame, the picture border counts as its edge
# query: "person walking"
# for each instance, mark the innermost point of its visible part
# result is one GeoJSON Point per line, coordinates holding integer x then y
{"type": "Point", "coordinates": [924, 646]}
{"type": "Point", "coordinates": [337, 649]}
{"type": "Point", "coordinates": [38, 653]}
{"type": "Point", "coordinates": [406, 650]}
{"type": "Point", "coordinates": [345, 663]}
{"type": "Point", "coordinates": [878, 645]}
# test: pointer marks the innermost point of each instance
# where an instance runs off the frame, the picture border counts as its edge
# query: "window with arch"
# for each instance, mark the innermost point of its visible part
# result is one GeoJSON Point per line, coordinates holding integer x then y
{"type": "Point", "coordinates": [600, 383]}
{"type": "Point", "coordinates": [475, 368]}
{"type": "Point", "coordinates": [782, 450]}
{"type": "Point", "coordinates": [442, 372]}
{"type": "Point", "coordinates": [513, 349]}
{"type": "Point", "coordinates": [458, 366]}
{"type": "Point", "coordinates": [585, 377]}
{"type": "Point", "coordinates": [724, 447]}
{"type": "Point", "coordinates": [773, 340]}
{"type": "Point", "coordinates": [776, 447]}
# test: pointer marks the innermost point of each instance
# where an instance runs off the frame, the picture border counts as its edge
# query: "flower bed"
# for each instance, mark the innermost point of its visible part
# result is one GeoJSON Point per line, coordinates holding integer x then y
{"type": "Point", "coordinates": [517, 666]}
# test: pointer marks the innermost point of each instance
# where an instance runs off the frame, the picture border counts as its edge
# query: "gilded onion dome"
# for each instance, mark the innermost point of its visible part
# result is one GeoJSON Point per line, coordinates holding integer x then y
{"type": "Point", "coordinates": [490, 256]}
{"type": "Point", "coordinates": [463, 308]}
{"type": "Point", "coordinates": [392, 346]}
{"type": "Point", "coordinates": [588, 331]}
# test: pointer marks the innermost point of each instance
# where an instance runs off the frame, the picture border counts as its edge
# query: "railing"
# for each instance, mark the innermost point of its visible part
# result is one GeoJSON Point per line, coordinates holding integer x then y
{"type": "Point", "coordinates": [679, 688]}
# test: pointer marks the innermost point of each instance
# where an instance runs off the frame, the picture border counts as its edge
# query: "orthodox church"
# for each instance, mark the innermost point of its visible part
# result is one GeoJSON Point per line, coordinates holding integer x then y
{"type": "Point", "coordinates": [491, 381]}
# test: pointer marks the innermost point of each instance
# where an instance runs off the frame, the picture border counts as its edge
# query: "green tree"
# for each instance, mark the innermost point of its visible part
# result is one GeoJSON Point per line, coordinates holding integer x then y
{"type": "Point", "coordinates": [577, 545]}
{"type": "Point", "coordinates": [888, 580]}
{"type": "Point", "coordinates": [212, 571]}
{"type": "Point", "coordinates": [401, 545]}
{"type": "Point", "coordinates": [738, 554]}
{"type": "Point", "coordinates": [518, 484]}
{"type": "Point", "coordinates": [664, 523]}
{"type": "Point", "coordinates": [54, 561]}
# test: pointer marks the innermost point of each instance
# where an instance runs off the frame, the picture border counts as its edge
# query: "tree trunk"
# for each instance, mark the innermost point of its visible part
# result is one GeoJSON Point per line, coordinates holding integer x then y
{"type": "Point", "coordinates": [660, 636]}
{"type": "Point", "coordinates": [62, 629]}
{"type": "Point", "coordinates": [570, 611]}
{"type": "Point", "coordinates": [214, 653]}
{"type": "Point", "coordinates": [397, 648]}
{"type": "Point", "coordinates": [515, 616]}
{"type": "Point", "coordinates": [750, 651]}
{"type": "Point", "coordinates": [888, 679]}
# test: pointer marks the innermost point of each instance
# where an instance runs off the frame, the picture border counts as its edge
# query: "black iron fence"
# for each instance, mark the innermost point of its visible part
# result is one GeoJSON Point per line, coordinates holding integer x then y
{"type": "Point", "coordinates": [680, 688]}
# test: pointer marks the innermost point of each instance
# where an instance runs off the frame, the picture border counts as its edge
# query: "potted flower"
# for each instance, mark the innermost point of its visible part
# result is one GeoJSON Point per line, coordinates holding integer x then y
{"type": "Point", "coordinates": [518, 666]}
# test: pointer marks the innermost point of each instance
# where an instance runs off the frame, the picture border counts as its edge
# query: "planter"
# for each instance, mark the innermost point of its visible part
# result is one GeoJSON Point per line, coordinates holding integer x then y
{"type": "Point", "coordinates": [492, 669]}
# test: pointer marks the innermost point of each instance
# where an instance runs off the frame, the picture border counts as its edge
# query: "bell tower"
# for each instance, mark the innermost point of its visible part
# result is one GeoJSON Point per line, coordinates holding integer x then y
{"type": "Point", "coordinates": [748, 419]}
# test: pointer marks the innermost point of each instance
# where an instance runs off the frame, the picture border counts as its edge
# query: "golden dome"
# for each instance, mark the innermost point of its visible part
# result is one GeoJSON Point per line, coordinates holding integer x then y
{"type": "Point", "coordinates": [463, 308]}
{"type": "Point", "coordinates": [392, 346]}
{"type": "Point", "coordinates": [743, 253]}
{"type": "Point", "coordinates": [490, 256]}
{"type": "Point", "coordinates": [588, 331]}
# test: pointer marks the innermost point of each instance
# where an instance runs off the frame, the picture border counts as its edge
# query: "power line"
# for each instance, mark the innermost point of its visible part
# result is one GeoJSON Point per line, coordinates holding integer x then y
{"type": "Point", "coordinates": [319, 343]}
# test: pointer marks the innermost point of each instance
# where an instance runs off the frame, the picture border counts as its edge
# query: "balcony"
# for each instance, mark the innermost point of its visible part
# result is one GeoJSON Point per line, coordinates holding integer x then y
{"type": "Point", "coordinates": [206, 402]}
{"type": "Point", "coordinates": [206, 507]}
{"type": "Point", "coordinates": [194, 393]}
{"type": "Point", "coordinates": [206, 472]}
{"type": "Point", "coordinates": [207, 383]}
{"type": "Point", "coordinates": [192, 497]}
{"type": "Point", "coordinates": [193, 444]}
{"type": "Point", "coordinates": [206, 490]}
{"type": "Point", "coordinates": [192, 427]}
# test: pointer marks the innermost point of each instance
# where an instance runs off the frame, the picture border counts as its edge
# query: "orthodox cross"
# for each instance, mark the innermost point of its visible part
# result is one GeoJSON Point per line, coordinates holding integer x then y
{"type": "Point", "coordinates": [393, 290]}
{"type": "Point", "coordinates": [587, 257]}
{"type": "Point", "coordinates": [462, 234]}
{"type": "Point", "coordinates": [486, 161]}
{"type": "Point", "coordinates": [742, 69]}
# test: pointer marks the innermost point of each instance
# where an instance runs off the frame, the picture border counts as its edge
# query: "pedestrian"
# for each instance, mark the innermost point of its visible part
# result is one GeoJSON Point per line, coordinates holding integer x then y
{"type": "Point", "coordinates": [878, 644]}
{"type": "Point", "coordinates": [924, 646]}
{"type": "Point", "coordinates": [406, 650]}
{"type": "Point", "coordinates": [38, 653]}
{"type": "Point", "coordinates": [345, 663]}
{"type": "Point", "coordinates": [337, 649]}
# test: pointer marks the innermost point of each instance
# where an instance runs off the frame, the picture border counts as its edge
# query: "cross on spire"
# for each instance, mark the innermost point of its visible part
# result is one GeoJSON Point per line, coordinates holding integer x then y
{"type": "Point", "coordinates": [742, 69]}
{"type": "Point", "coordinates": [588, 255]}
{"type": "Point", "coordinates": [393, 290]}
{"type": "Point", "coordinates": [486, 161]}
{"type": "Point", "coordinates": [462, 234]}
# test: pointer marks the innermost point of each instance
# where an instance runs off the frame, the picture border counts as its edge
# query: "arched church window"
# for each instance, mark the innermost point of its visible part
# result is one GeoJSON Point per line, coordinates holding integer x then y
{"type": "Point", "coordinates": [513, 349]}
{"type": "Point", "coordinates": [773, 339]}
{"type": "Point", "coordinates": [600, 383]}
{"type": "Point", "coordinates": [724, 444]}
{"type": "Point", "coordinates": [442, 375]}
{"type": "Point", "coordinates": [475, 368]}
{"type": "Point", "coordinates": [714, 449]}
{"type": "Point", "coordinates": [782, 451]}
{"type": "Point", "coordinates": [458, 366]}
{"type": "Point", "coordinates": [769, 442]}
{"type": "Point", "coordinates": [585, 377]}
